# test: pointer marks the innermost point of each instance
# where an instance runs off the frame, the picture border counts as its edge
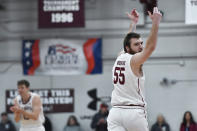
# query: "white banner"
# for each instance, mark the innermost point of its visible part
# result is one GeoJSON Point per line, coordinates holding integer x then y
{"type": "Point", "coordinates": [190, 12]}
{"type": "Point", "coordinates": [62, 57]}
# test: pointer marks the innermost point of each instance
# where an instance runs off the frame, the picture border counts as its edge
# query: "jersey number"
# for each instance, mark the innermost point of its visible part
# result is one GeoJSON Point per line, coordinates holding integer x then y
{"type": "Point", "coordinates": [119, 75]}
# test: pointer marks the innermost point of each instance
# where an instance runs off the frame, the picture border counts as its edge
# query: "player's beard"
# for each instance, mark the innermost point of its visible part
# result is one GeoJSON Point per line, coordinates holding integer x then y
{"type": "Point", "coordinates": [131, 51]}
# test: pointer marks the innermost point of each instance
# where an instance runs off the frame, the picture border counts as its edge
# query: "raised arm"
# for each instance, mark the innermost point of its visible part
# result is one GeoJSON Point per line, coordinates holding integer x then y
{"type": "Point", "coordinates": [139, 58]}
{"type": "Point", "coordinates": [134, 17]}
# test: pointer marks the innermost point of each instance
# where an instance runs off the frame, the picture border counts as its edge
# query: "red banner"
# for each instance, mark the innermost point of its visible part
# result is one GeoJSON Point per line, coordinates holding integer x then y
{"type": "Point", "coordinates": [54, 100]}
{"type": "Point", "coordinates": [60, 13]}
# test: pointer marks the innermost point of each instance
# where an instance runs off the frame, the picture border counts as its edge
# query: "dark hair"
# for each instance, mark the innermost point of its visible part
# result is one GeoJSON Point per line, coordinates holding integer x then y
{"type": "Point", "coordinates": [23, 82]}
{"type": "Point", "coordinates": [191, 120]}
{"type": "Point", "coordinates": [75, 119]}
{"type": "Point", "coordinates": [128, 37]}
{"type": "Point", "coordinates": [4, 114]}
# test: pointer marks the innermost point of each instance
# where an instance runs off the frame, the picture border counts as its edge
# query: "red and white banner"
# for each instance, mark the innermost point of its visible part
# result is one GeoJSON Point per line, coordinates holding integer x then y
{"type": "Point", "coordinates": [61, 57]}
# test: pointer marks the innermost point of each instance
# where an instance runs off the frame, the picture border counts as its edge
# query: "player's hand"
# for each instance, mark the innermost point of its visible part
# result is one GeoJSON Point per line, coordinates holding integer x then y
{"type": "Point", "coordinates": [13, 108]}
{"type": "Point", "coordinates": [16, 109]}
{"type": "Point", "coordinates": [133, 16]}
{"type": "Point", "coordinates": [156, 16]}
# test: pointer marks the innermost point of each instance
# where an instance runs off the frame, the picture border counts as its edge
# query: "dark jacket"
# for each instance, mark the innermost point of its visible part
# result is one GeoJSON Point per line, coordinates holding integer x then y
{"type": "Point", "coordinates": [8, 126]}
{"type": "Point", "coordinates": [47, 124]}
{"type": "Point", "coordinates": [192, 127]}
{"type": "Point", "coordinates": [163, 127]}
{"type": "Point", "coordinates": [95, 120]}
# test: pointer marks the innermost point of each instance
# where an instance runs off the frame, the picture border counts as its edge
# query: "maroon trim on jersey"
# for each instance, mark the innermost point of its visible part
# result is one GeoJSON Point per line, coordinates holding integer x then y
{"type": "Point", "coordinates": [145, 114]}
{"type": "Point", "coordinates": [27, 100]}
{"type": "Point", "coordinates": [141, 96]}
{"type": "Point", "coordinates": [139, 91]}
{"type": "Point", "coordinates": [130, 105]}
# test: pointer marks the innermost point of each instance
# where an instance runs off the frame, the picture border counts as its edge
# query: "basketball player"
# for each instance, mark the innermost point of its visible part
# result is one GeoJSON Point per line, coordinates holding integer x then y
{"type": "Point", "coordinates": [128, 111]}
{"type": "Point", "coordinates": [28, 108]}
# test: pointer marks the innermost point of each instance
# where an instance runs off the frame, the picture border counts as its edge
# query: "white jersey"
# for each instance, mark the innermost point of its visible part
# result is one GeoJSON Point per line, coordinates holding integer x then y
{"type": "Point", "coordinates": [26, 122]}
{"type": "Point", "coordinates": [127, 86]}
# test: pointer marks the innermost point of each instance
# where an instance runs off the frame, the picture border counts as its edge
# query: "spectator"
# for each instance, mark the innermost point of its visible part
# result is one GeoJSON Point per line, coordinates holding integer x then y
{"type": "Point", "coordinates": [188, 123]}
{"type": "Point", "coordinates": [99, 121]}
{"type": "Point", "coordinates": [6, 124]}
{"type": "Point", "coordinates": [72, 124]}
{"type": "Point", "coordinates": [160, 124]}
{"type": "Point", "coordinates": [47, 124]}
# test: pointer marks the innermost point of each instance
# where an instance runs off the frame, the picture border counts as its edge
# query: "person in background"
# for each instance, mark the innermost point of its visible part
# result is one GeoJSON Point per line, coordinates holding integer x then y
{"type": "Point", "coordinates": [47, 124]}
{"type": "Point", "coordinates": [6, 124]}
{"type": "Point", "coordinates": [72, 124]}
{"type": "Point", "coordinates": [99, 122]}
{"type": "Point", "coordinates": [188, 123]}
{"type": "Point", "coordinates": [161, 124]}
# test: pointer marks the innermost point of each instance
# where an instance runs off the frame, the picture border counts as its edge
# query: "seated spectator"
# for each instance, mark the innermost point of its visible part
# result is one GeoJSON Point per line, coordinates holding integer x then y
{"type": "Point", "coordinates": [72, 124]}
{"type": "Point", "coordinates": [99, 121]}
{"type": "Point", "coordinates": [160, 124]}
{"type": "Point", "coordinates": [6, 124]}
{"type": "Point", "coordinates": [188, 123]}
{"type": "Point", "coordinates": [47, 124]}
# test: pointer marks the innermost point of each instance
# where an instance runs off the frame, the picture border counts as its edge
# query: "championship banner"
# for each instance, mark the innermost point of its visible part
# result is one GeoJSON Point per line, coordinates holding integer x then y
{"type": "Point", "coordinates": [53, 100]}
{"type": "Point", "coordinates": [190, 12]}
{"type": "Point", "coordinates": [60, 13]}
{"type": "Point", "coordinates": [61, 57]}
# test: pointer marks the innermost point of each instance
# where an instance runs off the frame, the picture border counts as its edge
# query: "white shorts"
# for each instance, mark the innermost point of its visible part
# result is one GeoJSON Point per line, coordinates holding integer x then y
{"type": "Point", "coordinates": [39, 128]}
{"type": "Point", "coordinates": [127, 119]}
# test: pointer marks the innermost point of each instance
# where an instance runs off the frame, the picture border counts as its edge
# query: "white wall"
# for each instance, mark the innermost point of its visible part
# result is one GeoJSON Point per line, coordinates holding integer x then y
{"type": "Point", "coordinates": [174, 10]}
{"type": "Point", "coordinates": [174, 100]}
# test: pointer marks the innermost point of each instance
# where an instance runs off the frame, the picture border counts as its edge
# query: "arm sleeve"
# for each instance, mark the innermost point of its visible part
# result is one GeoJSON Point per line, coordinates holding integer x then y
{"type": "Point", "coordinates": [153, 128]}
{"type": "Point", "coordinates": [181, 128]}
{"type": "Point", "coordinates": [12, 127]}
{"type": "Point", "coordinates": [168, 127]}
{"type": "Point", "coordinates": [94, 122]}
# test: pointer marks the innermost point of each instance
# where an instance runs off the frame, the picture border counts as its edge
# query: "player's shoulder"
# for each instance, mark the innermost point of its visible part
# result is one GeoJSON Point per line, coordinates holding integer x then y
{"type": "Point", "coordinates": [35, 95]}
{"type": "Point", "coordinates": [125, 56]}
